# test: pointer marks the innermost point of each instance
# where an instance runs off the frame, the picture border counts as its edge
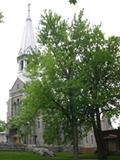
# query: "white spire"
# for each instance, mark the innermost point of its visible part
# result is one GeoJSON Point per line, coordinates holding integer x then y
{"type": "Point", "coordinates": [28, 40]}
{"type": "Point", "coordinates": [27, 43]}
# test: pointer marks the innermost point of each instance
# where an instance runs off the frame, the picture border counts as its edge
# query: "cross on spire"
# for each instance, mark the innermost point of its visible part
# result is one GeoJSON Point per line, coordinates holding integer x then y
{"type": "Point", "coordinates": [29, 9]}
{"type": "Point", "coordinates": [28, 17]}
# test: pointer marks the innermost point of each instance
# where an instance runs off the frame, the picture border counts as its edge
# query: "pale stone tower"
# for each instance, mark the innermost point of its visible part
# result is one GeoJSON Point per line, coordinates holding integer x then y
{"type": "Point", "coordinates": [27, 43]}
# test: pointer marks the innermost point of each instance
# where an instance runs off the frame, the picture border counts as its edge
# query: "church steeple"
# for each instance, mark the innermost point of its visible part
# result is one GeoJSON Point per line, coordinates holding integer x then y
{"type": "Point", "coordinates": [27, 43]}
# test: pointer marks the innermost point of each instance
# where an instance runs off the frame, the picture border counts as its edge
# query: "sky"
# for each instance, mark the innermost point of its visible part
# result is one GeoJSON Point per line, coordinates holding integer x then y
{"type": "Point", "coordinates": [105, 12]}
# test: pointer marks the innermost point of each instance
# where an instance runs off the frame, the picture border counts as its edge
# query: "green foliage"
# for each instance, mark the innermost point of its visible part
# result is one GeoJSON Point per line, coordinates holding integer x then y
{"type": "Point", "coordinates": [73, 1]}
{"type": "Point", "coordinates": [1, 17]}
{"type": "Point", "coordinates": [52, 126]}
{"type": "Point", "coordinates": [56, 128]}
{"type": "Point", "coordinates": [101, 74]}
{"type": "Point", "coordinates": [2, 126]}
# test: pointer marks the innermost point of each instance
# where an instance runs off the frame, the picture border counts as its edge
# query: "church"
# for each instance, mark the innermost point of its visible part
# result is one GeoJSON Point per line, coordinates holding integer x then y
{"type": "Point", "coordinates": [16, 94]}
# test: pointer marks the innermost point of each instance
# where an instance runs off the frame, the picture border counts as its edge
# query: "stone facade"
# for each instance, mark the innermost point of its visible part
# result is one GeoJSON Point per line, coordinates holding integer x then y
{"type": "Point", "coordinates": [3, 137]}
{"type": "Point", "coordinates": [15, 98]}
{"type": "Point", "coordinates": [15, 95]}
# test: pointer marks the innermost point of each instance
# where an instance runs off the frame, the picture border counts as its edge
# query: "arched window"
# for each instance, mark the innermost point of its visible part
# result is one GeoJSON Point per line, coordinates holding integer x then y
{"type": "Point", "coordinates": [38, 124]}
{"type": "Point", "coordinates": [18, 101]}
{"type": "Point", "coordinates": [92, 139]}
{"type": "Point", "coordinates": [21, 65]}
{"type": "Point", "coordinates": [18, 86]}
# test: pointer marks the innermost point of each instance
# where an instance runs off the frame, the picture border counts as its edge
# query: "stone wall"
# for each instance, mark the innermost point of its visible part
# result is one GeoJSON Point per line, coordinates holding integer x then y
{"type": "Point", "coordinates": [12, 147]}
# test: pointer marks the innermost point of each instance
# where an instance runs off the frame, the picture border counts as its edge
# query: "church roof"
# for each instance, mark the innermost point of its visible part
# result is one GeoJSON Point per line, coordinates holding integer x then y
{"type": "Point", "coordinates": [14, 87]}
{"type": "Point", "coordinates": [20, 80]}
{"type": "Point", "coordinates": [28, 40]}
{"type": "Point", "coordinates": [23, 78]}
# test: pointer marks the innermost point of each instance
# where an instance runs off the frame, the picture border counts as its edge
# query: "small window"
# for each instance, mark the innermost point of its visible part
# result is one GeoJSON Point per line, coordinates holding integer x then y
{"type": "Point", "coordinates": [18, 101]}
{"type": "Point", "coordinates": [38, 123]}
{"type": "Point", "coordinates": [92, 139]}
{"type": "Point", "coordinates": [21, 65]}
{"type": "Point", "coordinates": [17, 86]}
{"type": "Point", "coordinates": [11, 110]}
{"type": "Point", "coordinates": [86, 139]}
{"type": "Point", "coordinates": [14, 103]}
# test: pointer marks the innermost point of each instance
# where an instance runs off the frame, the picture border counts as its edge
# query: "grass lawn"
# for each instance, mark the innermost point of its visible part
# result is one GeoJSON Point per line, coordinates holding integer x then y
{"type": "Point", "coordinates": [59, 156]}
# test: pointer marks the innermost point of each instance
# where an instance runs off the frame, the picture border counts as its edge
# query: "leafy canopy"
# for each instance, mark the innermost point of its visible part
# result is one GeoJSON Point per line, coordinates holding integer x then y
{"type": "Point", "coordinates": [73, 1]}
{"type": "Point", "coordinates": [1, 17]}
{"type": "Point", "coordinates": [2, 126]}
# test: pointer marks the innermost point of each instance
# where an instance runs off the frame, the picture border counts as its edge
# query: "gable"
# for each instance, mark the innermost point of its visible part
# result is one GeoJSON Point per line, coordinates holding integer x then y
{"type": "Point", "coordinates": [18, 85]}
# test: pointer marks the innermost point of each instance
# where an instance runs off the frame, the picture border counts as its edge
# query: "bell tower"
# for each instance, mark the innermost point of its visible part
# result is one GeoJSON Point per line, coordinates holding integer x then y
{"type": "Point", "coordinates": [27, 43]}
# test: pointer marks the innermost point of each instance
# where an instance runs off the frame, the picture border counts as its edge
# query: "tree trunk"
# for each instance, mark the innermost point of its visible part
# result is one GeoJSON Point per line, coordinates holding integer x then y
{"type": "Point", "coordinates": [101, 147]}
{"type": "Point", "coordinates": [75, 142]}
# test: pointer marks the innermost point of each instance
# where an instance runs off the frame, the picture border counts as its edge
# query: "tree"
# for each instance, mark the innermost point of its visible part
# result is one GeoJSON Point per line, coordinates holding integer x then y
{"type": "Point", "coordinates": [55, 76]}
{"type": "Point", "coordinates": [2, 126]}
{"type": "Point", "coordinates": [101, 79]}
{"type": "Point", "coordinates": [73, 1]}
{"type": "Point", "coordinates": [1, 17]}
